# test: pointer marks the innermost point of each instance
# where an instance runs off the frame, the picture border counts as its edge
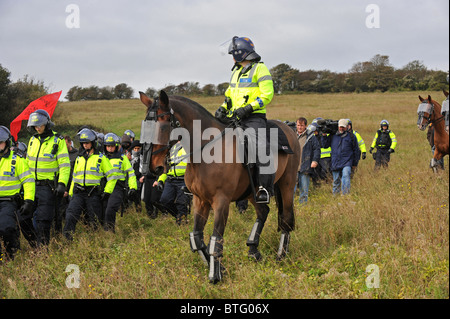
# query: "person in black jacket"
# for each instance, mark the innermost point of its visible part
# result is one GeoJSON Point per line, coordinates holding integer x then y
{"type": "Point", "coordinates": [309, 161]}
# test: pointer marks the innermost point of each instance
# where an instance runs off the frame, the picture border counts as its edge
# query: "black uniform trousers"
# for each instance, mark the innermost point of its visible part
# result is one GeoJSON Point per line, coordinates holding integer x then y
{"type": "Point", "coordinates": [114, 202]}
{"type": "Point", "coordinates": [45, 203]}
{"type": "Point", "coordinates": [83, 201]}
{"type": "Point", "coordinates": [9, 231]}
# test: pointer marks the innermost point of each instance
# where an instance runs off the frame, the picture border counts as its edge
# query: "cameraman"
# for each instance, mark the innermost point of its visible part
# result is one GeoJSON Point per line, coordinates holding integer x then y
{"type": "Point", "coordinates": [345, 156]}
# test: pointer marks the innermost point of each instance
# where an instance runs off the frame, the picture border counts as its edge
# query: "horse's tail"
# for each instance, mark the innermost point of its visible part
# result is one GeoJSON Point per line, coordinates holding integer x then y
{"type": "Point", "coordinates": [286, 220]}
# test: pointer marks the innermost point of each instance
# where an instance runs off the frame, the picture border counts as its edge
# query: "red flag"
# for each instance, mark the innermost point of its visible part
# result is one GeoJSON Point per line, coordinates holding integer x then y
{"type": "Point", "coordinates": [46, 102]}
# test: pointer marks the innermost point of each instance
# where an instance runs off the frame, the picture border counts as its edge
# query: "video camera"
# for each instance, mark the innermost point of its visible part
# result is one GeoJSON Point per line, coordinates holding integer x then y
{"type": "Point", "coordinates": [327, 126]}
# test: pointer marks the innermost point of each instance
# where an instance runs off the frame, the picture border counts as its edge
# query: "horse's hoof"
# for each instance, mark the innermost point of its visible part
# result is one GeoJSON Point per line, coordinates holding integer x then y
{"type": "Point", "coordinates": [254, 254]}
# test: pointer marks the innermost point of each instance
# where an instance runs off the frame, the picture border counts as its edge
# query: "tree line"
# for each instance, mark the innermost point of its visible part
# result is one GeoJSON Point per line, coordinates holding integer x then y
{"type": "Point", "coordinates": [375, 75]}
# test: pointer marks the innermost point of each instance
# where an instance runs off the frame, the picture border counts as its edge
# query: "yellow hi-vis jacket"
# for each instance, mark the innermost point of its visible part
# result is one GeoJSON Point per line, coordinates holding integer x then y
{"type": "Point", "coordinates": [49, 157]}
{"type": "Point", "coordinates": [90, 172]}
{"type": "Point", "coordinates": [361, 144]}
{"type": "Point", "coordinates": [177, 163]}
{"type": "Point", "coordinates": [121, 167]}
{"type": "Point", "coordinates": [254, 87]}
{"type": "Point", "coordinates": [15, 173]}
{"type": "Point", "coordinates": [325, 152]}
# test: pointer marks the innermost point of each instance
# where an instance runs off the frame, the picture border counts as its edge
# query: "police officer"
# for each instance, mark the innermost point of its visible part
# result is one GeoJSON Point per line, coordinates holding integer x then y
{"type": "Point", "coordinates": [48, 160]}
{"type": "Point", "coordinates": [361, 144]}
{"type": "Point", "coordinates": [249, 93]}
{"type": "Point", "coordinates": [121, 172]}
{"type": "Point", "coordinates": [131, 134]}
{"type": "Point", "coordinates": [173, 197]}
{"type": "Point", "coordinates": [324, 171]}
{"type": "Point", "coordinates": [385, 143]}
{"type": "Point", "coordinates": [14, 176]}
{"type": "Point", "coordinates": [90, 167]}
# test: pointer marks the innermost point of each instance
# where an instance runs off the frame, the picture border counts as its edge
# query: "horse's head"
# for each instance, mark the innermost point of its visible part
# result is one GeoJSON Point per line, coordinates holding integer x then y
{"type": "Point", "coordinates": [155, 132]}
{"type": "Point", "coordinates": [425, 112]}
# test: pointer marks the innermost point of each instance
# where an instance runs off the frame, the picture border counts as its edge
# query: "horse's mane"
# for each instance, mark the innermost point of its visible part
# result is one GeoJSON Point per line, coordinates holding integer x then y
{"type": "Point", "coordinates": [199, 108]}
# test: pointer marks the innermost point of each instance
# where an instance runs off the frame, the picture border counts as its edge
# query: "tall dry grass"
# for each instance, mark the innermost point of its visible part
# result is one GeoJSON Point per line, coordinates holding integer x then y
{"type": "Point", "coordinates": [396, 219]}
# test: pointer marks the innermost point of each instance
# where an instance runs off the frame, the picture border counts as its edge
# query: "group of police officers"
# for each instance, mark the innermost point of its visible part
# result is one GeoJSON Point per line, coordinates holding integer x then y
{"type": "Point", "coordinates": [33, 186]}
{"type": "Point", "coordinates": [48, 181]}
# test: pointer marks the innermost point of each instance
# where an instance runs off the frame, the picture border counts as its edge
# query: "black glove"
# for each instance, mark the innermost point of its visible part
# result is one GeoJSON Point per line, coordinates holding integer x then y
{"type": "Point", "coordinates": [60, 190]}
{"type": "Point", "coordinates": [363, 155]}
{"type": "Point", "coordinates": [244, 112]}
{"type": "Point", "coordinates": [391, 150]}
{"type": "Point", "coordinates": [132, 193]}
{"type": "Point", "coordinates": [26, 211]}
{"type": "Point", "coordinates": [221, 114]}
{"type": "Point", "coordinates": [104, 196]}
{"type": "Point", "coordinates": [371, 150]}
{"type": "Point", "coordinates": [160, 186]}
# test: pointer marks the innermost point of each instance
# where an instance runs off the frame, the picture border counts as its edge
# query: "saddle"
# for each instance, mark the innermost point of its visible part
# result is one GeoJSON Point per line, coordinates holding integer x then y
{"type": "Point", "coordinates": [283, 143]}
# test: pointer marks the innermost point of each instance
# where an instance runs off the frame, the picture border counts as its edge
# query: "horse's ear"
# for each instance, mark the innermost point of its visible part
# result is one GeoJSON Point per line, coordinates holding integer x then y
{"type": "Point", "coordinates": [429, 99]}
{"type": "Point", "coordinates": [163, 100]}
{"type": "Point", "coordinates": [145, 99]}
{"type": "Point", "coordinates": [445, 93]}
{"type": "Point", "coordinates": [421, 98]}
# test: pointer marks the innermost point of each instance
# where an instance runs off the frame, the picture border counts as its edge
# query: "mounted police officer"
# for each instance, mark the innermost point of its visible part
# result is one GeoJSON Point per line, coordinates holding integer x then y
{"type": "Point", "coordinates": [90, 167]}
{"type": "Point", "coordinates": [385, 142]}
{"type": "Point", "coordinates": [49, 162]}
{"type": "Point", "coordinates": [122, 171]}
{"type": "Point", "coordinates": [249, 93]}
{"type": "Point", "coordinates": [14, 176]}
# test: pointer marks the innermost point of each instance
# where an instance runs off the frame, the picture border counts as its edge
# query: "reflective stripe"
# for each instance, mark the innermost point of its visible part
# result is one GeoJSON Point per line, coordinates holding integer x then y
{"type": "Point", "coordinates": [248, 85]}
{"type": "Point", "coordinates": [265, 78]}
{"type": "Point", "coordinates": [44, 170]}
{"type": "Point", "coordinates": [11, 187]}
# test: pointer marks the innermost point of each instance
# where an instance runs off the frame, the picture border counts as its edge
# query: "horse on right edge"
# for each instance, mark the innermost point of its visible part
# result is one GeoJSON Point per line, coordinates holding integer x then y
{"type": "Point", "coordinates": [429, 112]}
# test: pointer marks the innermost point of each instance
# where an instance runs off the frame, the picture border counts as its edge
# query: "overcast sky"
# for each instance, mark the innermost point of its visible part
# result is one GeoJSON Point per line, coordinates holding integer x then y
{"type": "Point", "coordinates": [154, 43]}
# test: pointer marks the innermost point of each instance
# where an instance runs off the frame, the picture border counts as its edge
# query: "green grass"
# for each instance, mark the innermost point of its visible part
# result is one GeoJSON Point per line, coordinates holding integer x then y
{"type": "Point", "coordinates": [397, 219]}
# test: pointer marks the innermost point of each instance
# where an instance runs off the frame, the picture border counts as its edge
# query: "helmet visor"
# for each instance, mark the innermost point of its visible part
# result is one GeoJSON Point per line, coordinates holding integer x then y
{"type": "Point", "coordinates": [37, 119]}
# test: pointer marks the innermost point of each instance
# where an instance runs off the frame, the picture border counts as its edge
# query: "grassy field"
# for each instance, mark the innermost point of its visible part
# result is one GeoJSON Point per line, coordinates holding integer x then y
{"type": "Point", "coordinates": [396, 219]}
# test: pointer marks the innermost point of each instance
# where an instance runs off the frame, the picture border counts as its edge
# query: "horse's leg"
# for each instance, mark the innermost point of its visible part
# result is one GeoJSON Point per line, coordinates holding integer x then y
{"type": "Point", "coordinates": [196, 236]}
{"type": "Point", "coordinates": [215, 249]}
{"type": "Point", "coordinates": [262, 210]}
{"type": "Point", "coordinates": [286, 217]}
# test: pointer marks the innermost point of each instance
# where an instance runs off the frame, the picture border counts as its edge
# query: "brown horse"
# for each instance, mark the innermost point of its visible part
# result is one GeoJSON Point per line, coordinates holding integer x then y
{"type": "Point", "coordinates": [215, 185]}
{"type": "Point", "coordinates": [429, 112]}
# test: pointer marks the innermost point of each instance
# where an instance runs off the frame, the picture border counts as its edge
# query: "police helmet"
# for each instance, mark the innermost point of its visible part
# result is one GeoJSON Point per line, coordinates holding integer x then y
{"type": "Point", "coordinates": [87, 135]}
{"type": "Point", "coordinates": [311, 128]}
{"type": "Point", "coordinates": [130, 133]}
{"type": "Point", "coordinates": [111, 139]}
{"type": "Point", "coordinates": [384, 123]}
{"type": "Point", "coordinates": [242, 48]}
{"type": "Point", "coordinates": [5, 135]}
{"type": "Point", "coordinates": [38, 118]}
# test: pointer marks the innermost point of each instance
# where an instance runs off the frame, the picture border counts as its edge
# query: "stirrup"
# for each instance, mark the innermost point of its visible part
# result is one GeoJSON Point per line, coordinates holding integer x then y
{"type": "Point", "coordinates": [262, 196]}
